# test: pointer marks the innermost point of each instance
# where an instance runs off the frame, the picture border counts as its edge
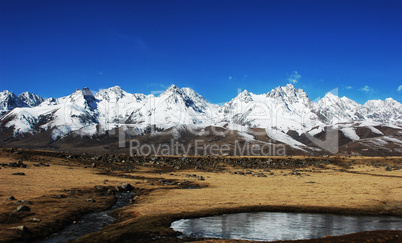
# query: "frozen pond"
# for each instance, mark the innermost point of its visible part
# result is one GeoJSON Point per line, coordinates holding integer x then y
{"type": "Point", "coordinates": [270, 226]}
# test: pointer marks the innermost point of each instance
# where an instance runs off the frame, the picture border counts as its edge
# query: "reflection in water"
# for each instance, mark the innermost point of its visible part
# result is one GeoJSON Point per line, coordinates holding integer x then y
{"type": "Point", "coordinates": [281, 226]}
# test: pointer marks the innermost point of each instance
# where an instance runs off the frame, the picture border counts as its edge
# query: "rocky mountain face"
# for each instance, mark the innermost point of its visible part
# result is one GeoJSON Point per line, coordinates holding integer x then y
{"type": "Point", "coordinates": [9, 101]}
{"type": "Point", "coordinates": [30, 99]}
{"type": "Point", "coordinates": [285, 114]}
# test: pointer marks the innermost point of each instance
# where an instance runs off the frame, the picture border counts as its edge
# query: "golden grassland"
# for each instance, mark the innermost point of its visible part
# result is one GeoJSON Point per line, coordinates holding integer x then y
{"type": "Point", "coordinates": [360, 189]}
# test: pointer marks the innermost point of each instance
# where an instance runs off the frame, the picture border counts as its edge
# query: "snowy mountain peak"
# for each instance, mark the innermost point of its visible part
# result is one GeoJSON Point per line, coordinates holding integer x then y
{"type": "Point", "coordinates": [115, 89]}
{"type": "Point", "coordinates": [245, 96]}
{"type": "Point", "coordinates": [288, 90]}
{"type": "Point", "coordinates": [83, 98]}
{"type": "Point", "coordinates": [9, 101]}
{"type": "Point", "coordinates": [85, 92]}
{"type": "Point", "coordinates": [289, 95]}
{"type": "Point", "coordinates": [192, 94]}
{"type": "Point", "coordinates": [172, 88]}
{"type": "Point", "coordinates": [290, 87]}
{"type": "Point", "coordinates": [392, 101]}
{"type": "Point", "coordinates": [114, 93]}
{"type": "Point", "coordinates": [30, 99]}
{"type": "Point", "coordinates": [330, 95]}
{"type": "Point", "coordinates": [5, 93]}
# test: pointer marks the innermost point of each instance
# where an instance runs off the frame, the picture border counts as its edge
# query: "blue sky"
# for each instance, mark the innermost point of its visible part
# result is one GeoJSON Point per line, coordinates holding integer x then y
{"type": "Point", "coordinates": [215, 47]}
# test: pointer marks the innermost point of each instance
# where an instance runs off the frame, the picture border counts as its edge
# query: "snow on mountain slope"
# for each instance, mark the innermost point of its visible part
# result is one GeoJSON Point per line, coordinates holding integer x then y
{"type": "Point", "coordinates": [115, 106]}
{"type": "Point", "coordinates": [242, 131]}
{"type": "Point", "coordinates": [331, 109]}
{"type": "Point", "coordinates": [371, 125]}
{"type": "Point", "coordinates": [388, 111]}
{"type": "Point", "coordinates": [24, 120]}
{"type": "Point", "coordinates": [350, 133]}
{"type": "Point", "coordinates": [284, 138]}
{"type": "Point", "coordinates": [283, 108]}
{"type": "Point", "coordinates": [77, 110]}
{"type": "Point", "coordinates": [72, 114]}
{"type": "Point", "coordinates": [30, 99]}
{"type": "Point", "coordinates": [176, 107]}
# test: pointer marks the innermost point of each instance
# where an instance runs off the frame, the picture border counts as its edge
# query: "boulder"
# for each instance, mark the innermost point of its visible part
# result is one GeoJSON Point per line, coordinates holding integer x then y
{"type": "Point", "coordinates": [22, 208]}
{"type": "Point", "coordinates": [127, 187]}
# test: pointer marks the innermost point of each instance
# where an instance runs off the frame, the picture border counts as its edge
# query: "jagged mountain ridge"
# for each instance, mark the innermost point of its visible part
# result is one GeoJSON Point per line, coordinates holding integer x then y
{"type": "Point", "coordinates": [9, 101]}
{"type": "Point", "coordinates": [30, 99]}
{"type": "Point", "coordinates": [285, 113]}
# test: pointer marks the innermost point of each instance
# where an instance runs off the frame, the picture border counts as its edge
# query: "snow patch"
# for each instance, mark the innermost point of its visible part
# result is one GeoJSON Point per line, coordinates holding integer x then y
{"type": "Point", "coordinates": [60, 132]}
{"type": "Point", "coordinates": [375, 130]}
{"type": "Point", "coordinates": [350, 133]}
{"type": "Point", "coordinates": [284, 138]}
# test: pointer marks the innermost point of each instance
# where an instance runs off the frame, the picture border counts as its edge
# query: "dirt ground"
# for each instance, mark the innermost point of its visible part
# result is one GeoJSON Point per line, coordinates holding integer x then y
{"type": "Point", "coordinates": [60, 189]}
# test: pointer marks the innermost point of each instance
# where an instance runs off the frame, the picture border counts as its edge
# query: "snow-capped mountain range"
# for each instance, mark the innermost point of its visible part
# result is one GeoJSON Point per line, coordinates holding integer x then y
{"type": "Point", "coordinates": [286, 114]}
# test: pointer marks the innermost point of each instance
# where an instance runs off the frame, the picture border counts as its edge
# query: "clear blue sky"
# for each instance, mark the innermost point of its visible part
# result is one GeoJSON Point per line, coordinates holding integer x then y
{"type": "Point", "coordinates": [215, 47]}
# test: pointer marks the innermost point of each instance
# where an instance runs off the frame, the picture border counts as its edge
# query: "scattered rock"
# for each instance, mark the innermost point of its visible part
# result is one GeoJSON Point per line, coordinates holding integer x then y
{"type": "Point", "coordinates": [100, 188]}
{"type": "Point", "coordinates": [90, 200]}
{"type": "Point", "coordinates": [20, 227]}
{"type": "Point", "coordinates": [93, 165]}
{"type": "Point", "coordinates": [61, 196]}
{"type": "Point", "coordinates": [36, 220]}
{"type": "Point", "coordinates": [18, 164]}
{"type": "Point", "coordinates": [18, 173]}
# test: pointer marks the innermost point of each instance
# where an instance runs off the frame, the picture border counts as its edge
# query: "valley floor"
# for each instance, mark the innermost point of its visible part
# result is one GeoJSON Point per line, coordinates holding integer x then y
{"type": "Point", "coordinates": [58, 189]}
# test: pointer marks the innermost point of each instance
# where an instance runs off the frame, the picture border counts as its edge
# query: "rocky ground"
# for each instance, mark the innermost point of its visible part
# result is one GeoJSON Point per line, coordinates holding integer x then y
{"type": "Point", "coordinates": [42, 191]}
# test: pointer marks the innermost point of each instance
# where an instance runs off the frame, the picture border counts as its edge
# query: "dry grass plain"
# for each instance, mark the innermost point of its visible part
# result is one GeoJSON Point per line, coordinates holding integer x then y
{"type": "Point", "coordinates": [363, 188]}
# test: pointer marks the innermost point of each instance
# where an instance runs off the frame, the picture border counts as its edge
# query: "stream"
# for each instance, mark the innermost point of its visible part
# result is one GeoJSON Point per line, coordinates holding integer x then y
{"type": "Point", "coordinates": [91, 222]}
